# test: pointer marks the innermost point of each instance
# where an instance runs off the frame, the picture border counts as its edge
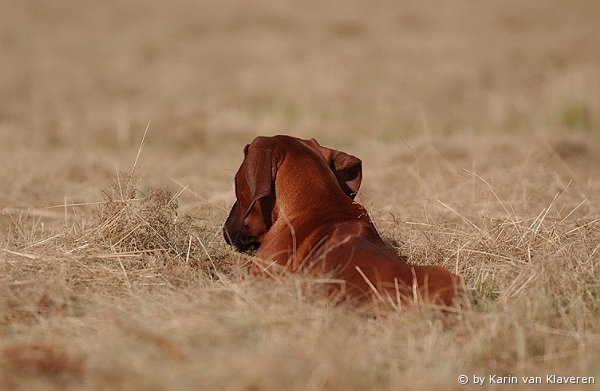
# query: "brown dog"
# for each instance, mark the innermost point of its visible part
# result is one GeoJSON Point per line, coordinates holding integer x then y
{"type": "Point", "coordinates": [295, 203]}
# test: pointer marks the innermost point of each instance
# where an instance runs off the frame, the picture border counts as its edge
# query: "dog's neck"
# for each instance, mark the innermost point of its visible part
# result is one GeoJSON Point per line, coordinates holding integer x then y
{"type": "Point", "coordinates": [304, 193]}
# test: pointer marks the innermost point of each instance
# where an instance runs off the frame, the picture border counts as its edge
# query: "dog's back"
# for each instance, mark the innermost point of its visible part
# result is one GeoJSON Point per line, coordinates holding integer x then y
{"type": "Point", "coordinates": [353, 251]}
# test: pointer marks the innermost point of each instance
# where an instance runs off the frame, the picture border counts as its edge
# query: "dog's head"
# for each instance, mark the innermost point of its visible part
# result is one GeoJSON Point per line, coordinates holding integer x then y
{"type": "Point", "coordinates": [252, 213]}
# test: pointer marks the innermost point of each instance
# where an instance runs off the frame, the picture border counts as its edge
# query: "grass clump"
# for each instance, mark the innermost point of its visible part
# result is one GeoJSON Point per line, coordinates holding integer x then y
{"type": "Point", "coordinates": [143, 239]}
{"type": "Point", "coordinates": [130, 220]}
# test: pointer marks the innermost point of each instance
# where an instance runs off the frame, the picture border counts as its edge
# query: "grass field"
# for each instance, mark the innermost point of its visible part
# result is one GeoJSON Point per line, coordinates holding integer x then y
{"type": "Point", "coordinates": [478, 124]}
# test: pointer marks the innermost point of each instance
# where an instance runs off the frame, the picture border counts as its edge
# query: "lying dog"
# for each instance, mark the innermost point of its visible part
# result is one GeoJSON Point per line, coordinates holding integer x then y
{"type": "Point", "coordinates": [295, 204]}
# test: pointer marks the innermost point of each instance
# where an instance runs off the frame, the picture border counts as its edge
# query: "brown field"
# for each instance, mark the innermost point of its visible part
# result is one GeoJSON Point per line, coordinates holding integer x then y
{"type": "Point", "coordinates": [478, 123]}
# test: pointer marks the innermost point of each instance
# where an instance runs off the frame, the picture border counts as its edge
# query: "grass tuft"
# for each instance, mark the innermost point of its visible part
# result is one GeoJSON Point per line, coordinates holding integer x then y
{"type": "Point", "coordinates": [130, 220]}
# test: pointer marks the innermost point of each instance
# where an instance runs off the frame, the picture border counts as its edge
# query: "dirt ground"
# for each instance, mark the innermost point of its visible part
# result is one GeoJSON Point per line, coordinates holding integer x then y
{"type": "Point", "coordinates": [478, 124]}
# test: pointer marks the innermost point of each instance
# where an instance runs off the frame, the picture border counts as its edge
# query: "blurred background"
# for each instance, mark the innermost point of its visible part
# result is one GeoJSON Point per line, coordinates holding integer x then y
{"type": "Point", "coordinates": [81, 80]}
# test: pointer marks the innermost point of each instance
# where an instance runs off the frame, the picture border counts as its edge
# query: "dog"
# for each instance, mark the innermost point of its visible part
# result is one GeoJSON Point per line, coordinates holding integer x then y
{"type": "Point", "coordinates": [295, 205]}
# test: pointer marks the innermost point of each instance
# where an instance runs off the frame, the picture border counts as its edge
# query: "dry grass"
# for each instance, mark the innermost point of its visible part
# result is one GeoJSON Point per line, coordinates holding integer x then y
{"type": "Point", "coordinates": [479, 129]}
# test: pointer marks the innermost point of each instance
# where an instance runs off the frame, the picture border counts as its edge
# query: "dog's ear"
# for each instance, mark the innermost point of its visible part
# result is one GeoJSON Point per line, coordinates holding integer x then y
{"type": "Point", "coordinates": [259, 171]}
{"type": "Point", "coordinates": [347, 169]}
